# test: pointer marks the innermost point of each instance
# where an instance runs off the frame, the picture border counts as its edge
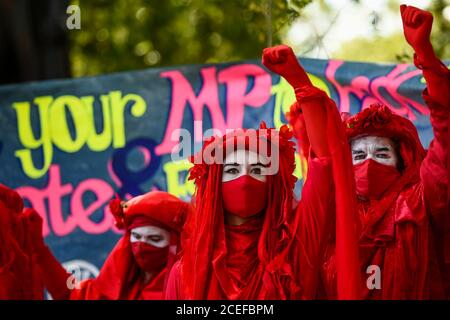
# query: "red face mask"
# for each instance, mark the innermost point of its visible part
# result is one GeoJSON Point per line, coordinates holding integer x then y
{"type": "Point", "coordinates": [244, 196]}
{"type": "Point", "coordinates": [373, 178]}
{"type": "Point", "coordinates": [149, 258]}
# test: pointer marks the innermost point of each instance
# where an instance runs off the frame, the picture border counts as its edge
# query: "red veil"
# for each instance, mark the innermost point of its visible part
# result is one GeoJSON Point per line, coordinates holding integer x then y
{"type": "Point", "coordinates": [203, 267]}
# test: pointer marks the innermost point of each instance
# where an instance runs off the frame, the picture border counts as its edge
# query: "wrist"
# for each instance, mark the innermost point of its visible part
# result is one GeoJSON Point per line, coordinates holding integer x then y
{"type": "Point", "coordinates": [429, 63]}
{"type": "Point", "coordinates": [425, 52]}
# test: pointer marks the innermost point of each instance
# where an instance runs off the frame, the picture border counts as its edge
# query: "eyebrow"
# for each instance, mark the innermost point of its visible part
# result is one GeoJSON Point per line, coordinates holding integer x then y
{"type": "Point", "coordinates": [146, 235]}
{"type": "Point", "coordinates": [259, 164]}
{"type": "Point", "coordinates": [383, 149]}
{"type": "Point", "coordinates": [234, 164]}
{"type": "Point", "coordinates": [357, 151]}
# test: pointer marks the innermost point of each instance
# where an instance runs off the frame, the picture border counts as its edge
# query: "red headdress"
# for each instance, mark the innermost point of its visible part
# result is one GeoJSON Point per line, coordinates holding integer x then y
{"type": "Point", "coordinates": [379, 120]}
{"type": "Point", "coordinates": [157, 207]}
{"type": "Point", "coordinates": [204, 245]}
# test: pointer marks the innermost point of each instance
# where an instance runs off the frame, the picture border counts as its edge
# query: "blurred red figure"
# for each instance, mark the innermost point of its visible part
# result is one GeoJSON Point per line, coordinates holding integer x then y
{"type": "Point", "coordinates": [401, 189]}
{"type": "Point", "coordinates": [138, 266]}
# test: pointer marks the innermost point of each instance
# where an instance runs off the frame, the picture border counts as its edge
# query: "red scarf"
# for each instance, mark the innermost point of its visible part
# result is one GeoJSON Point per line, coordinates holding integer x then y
{"type": "Point", "coordinates": [374, 178]}
{"type": "Point", "coordinates": [122, 278]}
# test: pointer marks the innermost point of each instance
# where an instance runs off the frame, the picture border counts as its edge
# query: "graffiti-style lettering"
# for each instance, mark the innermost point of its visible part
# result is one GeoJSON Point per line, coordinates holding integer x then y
{"type": "Point", "coordinates": [236, 79]}
{"type": "Point", "coordinates": [130, 180]}
{"type": "Point", "coordinates": [369, 91]}
{"type": "Point", "coordinates": [285, 97]}
{"type": "Point", "coordinates": [176, 185]}
{"type": "Point", "coordinates": [54, 127]}
{"type": "Point", "coordinates": [29, 141]}
{"type": "Point", "coordinates": [55, 191]}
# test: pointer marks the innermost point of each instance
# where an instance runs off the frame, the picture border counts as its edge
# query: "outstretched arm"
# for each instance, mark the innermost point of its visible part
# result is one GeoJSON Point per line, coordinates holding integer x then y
{"type": "Point", "coordinates": [330, 178]}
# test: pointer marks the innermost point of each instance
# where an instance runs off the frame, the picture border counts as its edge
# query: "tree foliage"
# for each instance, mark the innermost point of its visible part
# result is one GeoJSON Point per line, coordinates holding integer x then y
{"type": "Point", "coordinates": [134, 34]}
{"type": "Point", "coordinates": [394, 48]}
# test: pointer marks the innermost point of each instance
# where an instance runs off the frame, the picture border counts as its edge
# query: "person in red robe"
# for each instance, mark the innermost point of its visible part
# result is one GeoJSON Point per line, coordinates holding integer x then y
{"type": "Point", "coordinates": [19, 277]}
{"type": "Point", "coordinates": [137, 267]}
{"type": "Point", "coordinates": [246, 239]}
{"type": "Point", "coordinates": [401, 189]}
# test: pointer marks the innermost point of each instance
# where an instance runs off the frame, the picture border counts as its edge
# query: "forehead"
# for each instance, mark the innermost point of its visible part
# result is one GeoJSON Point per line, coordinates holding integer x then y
{"type": "Point", "coordinates": [147, 230]}
{"type": "Point", "coordinates": [371, 141]}
{"type": "Point", "coordinates": [243, 156]}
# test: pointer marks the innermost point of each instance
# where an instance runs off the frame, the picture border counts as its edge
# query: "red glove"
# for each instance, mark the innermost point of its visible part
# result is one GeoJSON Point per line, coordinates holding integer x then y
{"type": "Point", "coordinates": [417, 26]}
{"type": "Point", "coordinates": [282, 60]}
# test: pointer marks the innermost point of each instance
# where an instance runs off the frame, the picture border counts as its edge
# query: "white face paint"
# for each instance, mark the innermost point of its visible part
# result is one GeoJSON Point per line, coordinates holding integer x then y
{"type": "Point", "coordinates": [155, 236]}
{"type": "Point", "coordinates": [379, 149]}
{"type": "Point", "coordinates": [244, 162]}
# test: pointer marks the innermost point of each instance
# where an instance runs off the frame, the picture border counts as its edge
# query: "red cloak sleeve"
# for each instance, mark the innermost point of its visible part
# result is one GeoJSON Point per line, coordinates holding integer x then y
{"type": "Point", "coordinates": [344, 200]}
{"type": "Point", "coordinates": [434, 170]}
{"type": "Point", "coordinates": [53, 274]}
{"type": "Point", "coordinates": [327, 137]}
{"type": "Point", "coordinates": [173, 288]}
{"type": "Point", "coordinates": [315, 213]}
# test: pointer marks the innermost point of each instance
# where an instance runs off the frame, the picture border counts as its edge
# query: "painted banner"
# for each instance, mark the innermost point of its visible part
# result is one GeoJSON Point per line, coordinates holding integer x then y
{"type": "Point", "coordinates": [68, 146]}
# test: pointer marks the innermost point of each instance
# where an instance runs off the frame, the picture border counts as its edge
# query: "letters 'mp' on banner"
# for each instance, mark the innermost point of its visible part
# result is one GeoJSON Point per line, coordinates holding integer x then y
{"type": "Point", "coordinates": [68, 146]}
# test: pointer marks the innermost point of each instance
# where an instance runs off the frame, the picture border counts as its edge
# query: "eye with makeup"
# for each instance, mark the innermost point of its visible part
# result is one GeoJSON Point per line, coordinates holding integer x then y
{"type": "Point", "coordinates": [231, 169]}
{"type": "Point", "coordinates": [359, 155]}
{"type": "Point", "coordinates": [155, 238]}
{"type": "Point", "coordinates": [257, 169]}
{"type": "Point", "coordinates": [383, 153]}
{"type": "Point", "coordinates": [383, 156]}
{"type": "Point", "coordinates": [136, 235]}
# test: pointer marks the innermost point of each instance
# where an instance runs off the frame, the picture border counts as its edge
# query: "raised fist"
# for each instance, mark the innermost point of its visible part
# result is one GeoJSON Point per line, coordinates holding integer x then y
{"type": "Point", "coordinates": [282, 60]}
{"type": "Point", "coordinates": [417, 25]}
{"type": "Point", "coordinates": [279, 58]}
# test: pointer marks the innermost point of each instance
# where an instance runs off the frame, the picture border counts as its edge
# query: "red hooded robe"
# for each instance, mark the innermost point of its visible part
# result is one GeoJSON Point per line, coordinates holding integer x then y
{"type": "Point", "coordinates": [120, 277]}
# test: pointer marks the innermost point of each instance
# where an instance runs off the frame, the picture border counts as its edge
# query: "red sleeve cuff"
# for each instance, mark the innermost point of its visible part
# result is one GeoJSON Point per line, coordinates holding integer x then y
{"type": "Point", "coordinates": [436, 65]}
